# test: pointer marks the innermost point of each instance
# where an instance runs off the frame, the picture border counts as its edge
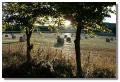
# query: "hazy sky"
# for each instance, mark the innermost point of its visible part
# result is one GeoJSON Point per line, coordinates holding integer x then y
{"type": "Point", "coordinates": [111, 19]}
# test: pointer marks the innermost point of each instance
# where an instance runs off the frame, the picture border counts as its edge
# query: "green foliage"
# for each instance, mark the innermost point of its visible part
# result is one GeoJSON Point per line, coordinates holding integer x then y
{"type": "Point", "coordinates": [4, 26]}
{"type": "Point", "coordinates": [27, 14]}
{"type": "Point", "coordinates": [88, 14]}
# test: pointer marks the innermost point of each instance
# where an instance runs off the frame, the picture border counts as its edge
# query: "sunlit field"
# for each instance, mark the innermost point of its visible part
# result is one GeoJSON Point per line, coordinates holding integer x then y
{"type": "Point", "coordinates": [50, 59]}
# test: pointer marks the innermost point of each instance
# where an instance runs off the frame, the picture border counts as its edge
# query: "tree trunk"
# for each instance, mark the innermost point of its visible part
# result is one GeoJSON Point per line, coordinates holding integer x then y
{"type": "Point", "coordinates": [77, 50]}
{"type": "Point", "coordinates": [28, 45]}
{"type": "Point", "coordinates": [28, 49]}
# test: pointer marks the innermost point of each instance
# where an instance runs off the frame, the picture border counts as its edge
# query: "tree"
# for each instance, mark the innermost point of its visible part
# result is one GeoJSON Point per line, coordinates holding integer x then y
{"type": "Point", "coordinates": [25, 15]}
{"type": "Point", "coordinates": [87, 17]}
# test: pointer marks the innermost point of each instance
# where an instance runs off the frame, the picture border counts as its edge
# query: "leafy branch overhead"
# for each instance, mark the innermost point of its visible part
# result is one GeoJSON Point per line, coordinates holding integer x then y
{"type": "Point", "coordinates": [25, 13]}
{"type": "Point", "coordinates": [89, 14]}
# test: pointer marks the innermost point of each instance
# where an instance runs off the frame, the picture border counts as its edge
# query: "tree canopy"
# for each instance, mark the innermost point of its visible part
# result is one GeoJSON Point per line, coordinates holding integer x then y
{"type": "Point", "coordinates": [90, 14]}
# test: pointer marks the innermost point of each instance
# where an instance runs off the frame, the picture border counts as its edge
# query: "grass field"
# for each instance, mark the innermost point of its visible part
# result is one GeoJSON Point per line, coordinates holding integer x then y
{"type": "Point", "coordinates": [98, 57]}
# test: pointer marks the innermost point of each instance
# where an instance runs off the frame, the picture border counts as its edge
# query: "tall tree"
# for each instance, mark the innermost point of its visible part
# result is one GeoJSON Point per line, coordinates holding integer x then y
{"type": "Point", "coordinates": [25, 14]}
{"type": "Point", "coordinates": [87, 17]}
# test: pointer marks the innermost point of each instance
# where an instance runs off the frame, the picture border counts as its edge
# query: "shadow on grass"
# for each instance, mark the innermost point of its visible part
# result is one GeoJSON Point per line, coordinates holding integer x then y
{"type": "Point", "coordinates": [103, 73]}
{"type": "Point", "coordinates": [32, 70]}
{"type": "Point", "coordinates": [25, 71]}
{"type": "Point", "coordinates": [37, 71]}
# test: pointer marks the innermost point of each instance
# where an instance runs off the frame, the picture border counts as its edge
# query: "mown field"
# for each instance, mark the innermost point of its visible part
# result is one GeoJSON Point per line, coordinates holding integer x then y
{"type": "Point", "coordinates": [98, 57]}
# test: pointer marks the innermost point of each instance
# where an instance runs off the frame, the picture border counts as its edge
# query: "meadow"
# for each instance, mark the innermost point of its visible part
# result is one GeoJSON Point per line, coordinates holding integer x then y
{"type": "Point", "coordinates": [98, 57]}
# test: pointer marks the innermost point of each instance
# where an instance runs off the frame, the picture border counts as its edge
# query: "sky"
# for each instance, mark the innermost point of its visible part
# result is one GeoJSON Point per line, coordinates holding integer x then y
{"type": "Point", "coordinates": [111, 19]}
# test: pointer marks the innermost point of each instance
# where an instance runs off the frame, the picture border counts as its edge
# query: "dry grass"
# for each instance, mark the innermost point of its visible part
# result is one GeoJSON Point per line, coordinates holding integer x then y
{"type": "Point", "coordinates": [98, 58]}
